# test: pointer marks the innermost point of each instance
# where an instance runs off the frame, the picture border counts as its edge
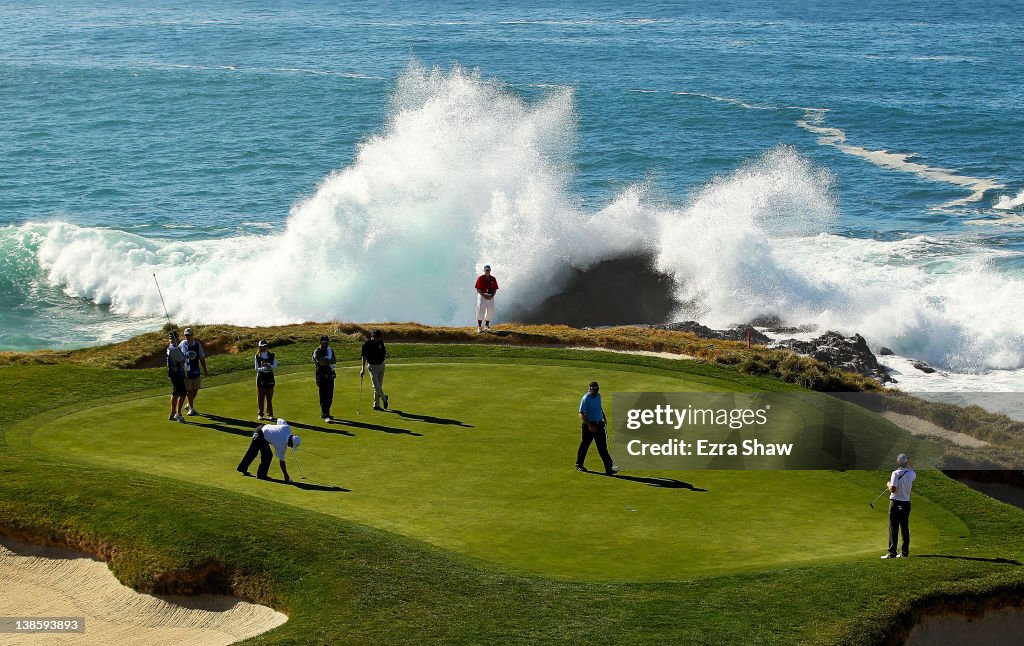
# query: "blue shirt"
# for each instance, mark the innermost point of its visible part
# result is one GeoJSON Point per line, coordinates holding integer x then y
{"type": "Point", "coordinates": [590, 406]}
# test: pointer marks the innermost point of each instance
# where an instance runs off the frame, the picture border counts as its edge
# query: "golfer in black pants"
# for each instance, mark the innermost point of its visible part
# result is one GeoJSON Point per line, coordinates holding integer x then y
{"type": "Point", "coordinates": [278, 436]}
{"type": "Point", "coordinates": [900, 483]}
{"type": "Point", "coordinates": [325, 359]}
{"type": "Point", "coordinates": [593, 429]}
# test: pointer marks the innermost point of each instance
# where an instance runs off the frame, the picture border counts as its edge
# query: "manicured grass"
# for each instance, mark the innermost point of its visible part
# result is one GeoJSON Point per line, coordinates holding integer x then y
{"type": "Point", "coordinates": [478, 531]}
{"type": "Point", "coordinates": [477, 457]}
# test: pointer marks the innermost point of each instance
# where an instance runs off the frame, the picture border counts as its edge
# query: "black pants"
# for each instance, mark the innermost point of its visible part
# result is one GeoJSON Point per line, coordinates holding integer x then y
{"type": "Point", "coordinates": [899, 521]}
{"type": "Point", "coordinates": [601, 439]}
{"type": "Point", "coordinates": [262, 447]}
{"type": "Point", "coordinates": [326, 387]}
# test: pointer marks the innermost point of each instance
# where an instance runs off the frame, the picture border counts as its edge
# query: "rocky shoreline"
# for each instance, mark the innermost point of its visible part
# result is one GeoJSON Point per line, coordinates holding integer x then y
{"type": "Point", "coordinates": [849, 353]}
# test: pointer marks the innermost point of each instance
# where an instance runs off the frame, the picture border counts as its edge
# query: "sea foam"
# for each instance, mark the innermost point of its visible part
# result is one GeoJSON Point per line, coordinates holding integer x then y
{"type": "Point", "coordinates": [465, 172]}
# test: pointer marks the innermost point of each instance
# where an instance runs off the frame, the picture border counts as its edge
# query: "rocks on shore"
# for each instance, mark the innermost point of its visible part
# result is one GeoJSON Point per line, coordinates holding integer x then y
{"type": "Point", "coordinates": [837, 351]}
{"type": "Point", "coordinates": [736, 333]}
{"type": "Point", "coordinates": [776, 325]}
{"type": "Point", "coordinates": [832, 348]}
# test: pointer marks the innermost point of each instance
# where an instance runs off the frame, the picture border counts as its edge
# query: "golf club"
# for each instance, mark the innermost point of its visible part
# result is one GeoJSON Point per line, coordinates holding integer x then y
{"type": "Point", "coordinates": [158, 291]}
{"type": "Point", "coordinates": [296, 456]}
{"type": "Point", "coordinates": [872, 503]}
{"type": "Point", "coordinates": [359, 404]}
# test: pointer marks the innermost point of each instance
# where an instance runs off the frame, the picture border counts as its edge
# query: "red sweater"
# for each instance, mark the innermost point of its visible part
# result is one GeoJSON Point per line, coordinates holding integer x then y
{"type": "Point", "coordinates": [487, 283]}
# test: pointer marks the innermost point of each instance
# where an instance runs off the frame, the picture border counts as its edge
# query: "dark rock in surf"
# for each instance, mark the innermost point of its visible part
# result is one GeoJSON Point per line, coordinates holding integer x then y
{"type": "Point", "coordinates": [923, 367]}
{"type": "Point", "coordinates": [837, 351]}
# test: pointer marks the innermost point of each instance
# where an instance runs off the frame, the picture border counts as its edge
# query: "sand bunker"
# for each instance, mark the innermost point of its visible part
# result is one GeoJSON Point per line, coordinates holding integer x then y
{"type": "Point", "coordinates": [994, 627]}
{"type": "Point", "coordinates": [47, 582]}
{"type": "Point", "coordinates": [921, 427]}
{"type": "Point", "coordinates": [642, 353]}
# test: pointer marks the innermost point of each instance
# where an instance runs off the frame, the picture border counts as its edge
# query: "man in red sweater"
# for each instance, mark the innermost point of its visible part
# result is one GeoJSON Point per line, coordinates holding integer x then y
{"type": "Point", "coordinates": [486, 286]}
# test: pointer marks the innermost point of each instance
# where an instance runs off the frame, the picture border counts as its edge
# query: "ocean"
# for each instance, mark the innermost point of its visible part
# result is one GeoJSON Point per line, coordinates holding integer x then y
{"type": "Point", "coordinates": [857, 168]}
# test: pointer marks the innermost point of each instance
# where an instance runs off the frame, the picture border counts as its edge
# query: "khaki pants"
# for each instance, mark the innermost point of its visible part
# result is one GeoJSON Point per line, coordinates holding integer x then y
{"type": "Point", "coordinates": [377, 377]}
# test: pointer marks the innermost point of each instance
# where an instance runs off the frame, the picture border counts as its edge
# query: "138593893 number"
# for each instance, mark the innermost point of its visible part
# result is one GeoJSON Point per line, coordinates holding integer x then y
{"type": "Point", "coordinates": [42, 624]}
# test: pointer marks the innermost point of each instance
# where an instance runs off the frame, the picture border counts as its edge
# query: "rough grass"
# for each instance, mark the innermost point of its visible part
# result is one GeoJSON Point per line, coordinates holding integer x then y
{"type": "Point", "coordinates": [146, 350]}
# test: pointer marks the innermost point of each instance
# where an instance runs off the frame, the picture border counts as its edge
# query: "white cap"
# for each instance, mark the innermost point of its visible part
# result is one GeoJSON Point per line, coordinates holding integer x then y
{"type": "Point", "coordinates": [902, 459]}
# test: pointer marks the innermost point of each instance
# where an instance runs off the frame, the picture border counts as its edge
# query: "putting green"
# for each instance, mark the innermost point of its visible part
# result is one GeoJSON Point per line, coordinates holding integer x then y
{"type": "Point", "coordinates": [478, 458]}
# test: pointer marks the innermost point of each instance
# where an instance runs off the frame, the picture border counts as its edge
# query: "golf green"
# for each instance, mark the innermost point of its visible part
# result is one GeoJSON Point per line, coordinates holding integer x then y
{"type": "Point", "coordinates": [477, 458]}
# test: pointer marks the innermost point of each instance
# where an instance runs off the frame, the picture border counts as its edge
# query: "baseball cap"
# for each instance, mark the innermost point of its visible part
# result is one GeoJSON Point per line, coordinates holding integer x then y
{"type": "Point", "coordinates": [324, 339]}
{"type": "Point", "coordinates": [487, 266]}
{"type": "Point", "coordinates": [172, 335]}
{"type": "Point", "coordinates": [263, 343]}
{"type": "Point", "coordinates": [188, 331]}
{"type": "Point", "coordinates": [375, 332]}
{"type": "Point", "coordinates": [593, 384]}
{"type": "Point", "coordinates": [902, 459]}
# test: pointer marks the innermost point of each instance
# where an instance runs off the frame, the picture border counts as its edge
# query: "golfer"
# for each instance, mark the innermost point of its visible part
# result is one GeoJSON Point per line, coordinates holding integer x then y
{"type": "Point", "coordinates": [194, 358]}
{"type": "Point", "coordinates": [486, 286]}
{"type": "Point", "coordinates": [900, 483]}
{"type": "Point", "coordinates": [278, 436]}
{"type": "Point", "coordinates": [264, 363]}
{"type": "Point", "coordinates": [176, 373]}
{"type": "Point", "coordinates": [593, 429]}
{"type": "Point", "coordinates": [374, 354]}
{"type": "Point", "coordinates": [324, 359]}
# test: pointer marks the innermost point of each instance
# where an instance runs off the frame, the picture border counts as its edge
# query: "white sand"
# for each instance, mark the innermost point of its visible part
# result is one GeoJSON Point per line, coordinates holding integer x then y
{"type": "Point", "coordinates": [921, 427]}
{"type": "Point", "coordinates": [48, 582]}
{"type": "Point", "coordinates": [992, 628]}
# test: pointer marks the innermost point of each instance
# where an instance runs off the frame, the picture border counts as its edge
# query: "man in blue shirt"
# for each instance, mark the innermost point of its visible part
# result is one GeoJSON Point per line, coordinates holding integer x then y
{"type": "Point", "coordinates": [593, 428]}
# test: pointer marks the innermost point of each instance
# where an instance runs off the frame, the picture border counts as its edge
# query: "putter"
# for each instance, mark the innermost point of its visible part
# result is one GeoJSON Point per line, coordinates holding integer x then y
{"type": "Point", "coordinates": [296, 457]}
{"type": "Point", "coordinates": [359, 404]}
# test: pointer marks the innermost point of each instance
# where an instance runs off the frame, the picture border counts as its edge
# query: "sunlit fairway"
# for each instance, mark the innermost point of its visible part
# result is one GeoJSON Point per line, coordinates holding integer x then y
{"type": "Point", "coordinates": [477, 457]}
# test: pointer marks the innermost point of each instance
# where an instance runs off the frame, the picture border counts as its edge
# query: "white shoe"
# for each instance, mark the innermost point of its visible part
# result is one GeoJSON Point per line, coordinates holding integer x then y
{"type": "Point", "coordinates": [479, 330]}
{"type": "Point", "coordinates": [190, 412]}
{"type": "Point", "coordinates": [487, 328]}
{"type": "Point", "coordinates": [179, 418]}
{"type": "Point", "coordinates": [890, 556]}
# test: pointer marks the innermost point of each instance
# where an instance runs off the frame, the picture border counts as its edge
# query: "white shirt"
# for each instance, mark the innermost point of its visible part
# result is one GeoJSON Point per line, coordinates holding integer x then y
{"type": "Point", "coordinates": [277, 436]}
{"type": "Point", "coordinates": [903, 479]}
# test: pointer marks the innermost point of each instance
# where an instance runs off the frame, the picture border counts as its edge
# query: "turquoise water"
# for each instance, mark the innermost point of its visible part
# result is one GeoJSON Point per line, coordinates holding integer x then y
{"type": "Point", "coordinates": [857, 168]}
